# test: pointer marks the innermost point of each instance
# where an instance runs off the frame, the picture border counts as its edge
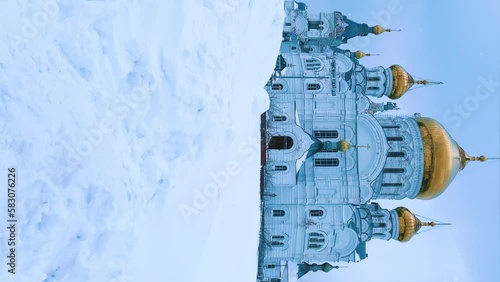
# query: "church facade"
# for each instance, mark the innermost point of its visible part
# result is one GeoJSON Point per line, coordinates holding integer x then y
{"type": "Point", "coordinates": [329, 152]}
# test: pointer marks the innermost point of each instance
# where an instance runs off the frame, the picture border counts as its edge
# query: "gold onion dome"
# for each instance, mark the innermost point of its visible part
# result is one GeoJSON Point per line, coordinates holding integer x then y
{"type": "Point", "coordinates": [378, 30]}
{"type": "Point", "coordinates": [344, 145]}
{"type": "Point", "coordinates": [402, 81]}
{"type": "Point", "coordinates": [359, 54]}
{"type": "Point", "coordinates": [443, 158]}
{"type": "Point", "coordinates": [409, 224]}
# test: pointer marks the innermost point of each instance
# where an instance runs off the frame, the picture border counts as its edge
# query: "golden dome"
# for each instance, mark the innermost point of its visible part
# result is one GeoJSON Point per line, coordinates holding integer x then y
{"type": "Point", "coordinates": [409, 224]}
{"type": "Point", "coordinates": [378, 30]}
{"type": "Point", "coordinates": [401, 81]}
{"type": "Point", "coordinates": [344, 145]}
{"type": "Point", "coordinates": [443, 158]}
{"type": "Point", "coordinates": [359, 54]}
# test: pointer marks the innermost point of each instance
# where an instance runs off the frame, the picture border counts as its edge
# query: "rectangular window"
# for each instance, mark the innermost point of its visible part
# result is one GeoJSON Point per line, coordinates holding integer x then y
{"type": "Point", "coordinates": [394, 138]}
{"type": "Point", "coordinates": [313, 64]}
{"type": "Point", "coordinates": [313, 67]}
{"type": "Point", "coordinates": [394, 170]}
{"type": "Point", "coordinates": [396, 154]}
{"type": "Point", "coordinates": [326, 162]}
{"type": "Point", "coordinates": [326, 134]}
{"type": "Point", "coordinates": [392, 184]}
{"type": "Point", "coordinates": [317, 240]}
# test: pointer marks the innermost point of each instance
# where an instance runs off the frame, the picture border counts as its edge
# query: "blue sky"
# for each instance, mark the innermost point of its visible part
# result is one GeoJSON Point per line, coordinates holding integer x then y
{"type": "Point", "coordinates": [455, 42]}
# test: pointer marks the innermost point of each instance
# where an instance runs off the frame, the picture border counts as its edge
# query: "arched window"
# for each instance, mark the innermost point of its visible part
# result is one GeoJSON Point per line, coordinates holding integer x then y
{"type": "Point", "coordinates": [279, 118]}
{"type": "Point", "coordinates": [313, 86]}
{"type": "Point", "coordinates": [280, 167]}
{"type": "Point", "coordinates": [394, 138]}
{"type": "Point", "coordinates": [288, 24]}
{"type": "Point", "coordinates": [316, 213]}
{"type": "Point", "coordinates": [316, 240]}
{"type": "Point", "coordinates": [278, 213]}
{"type": "Point", "coordinates": [373, 88]}
{"type": "Point", "coordinates": [396, 154]}
{"type": "Point", "coordinates": [394, 170]}
{"type": "Point", "coordinates": [326, 162]}
{"type": "Point", "coordinates": [280, 143]}
{"type": "Point", "coordinates": [277, 86]}
{"type": "Point", "coordinates": [313, 64]}
{"type": "Point", "coordinates": [376, 78]}
{"type": "Point", "coordinates": [326, 133]}
{"type": "Point", "coordinates": [277, 240]}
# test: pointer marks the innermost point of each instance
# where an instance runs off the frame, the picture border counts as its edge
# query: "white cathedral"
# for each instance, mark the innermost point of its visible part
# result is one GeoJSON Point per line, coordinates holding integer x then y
{"type": "Point", "coordinates": [328, 153]}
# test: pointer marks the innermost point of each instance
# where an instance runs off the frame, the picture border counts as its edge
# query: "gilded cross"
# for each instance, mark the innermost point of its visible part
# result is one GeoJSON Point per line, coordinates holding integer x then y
{"type": "Point", "coordinates": [367, 146]}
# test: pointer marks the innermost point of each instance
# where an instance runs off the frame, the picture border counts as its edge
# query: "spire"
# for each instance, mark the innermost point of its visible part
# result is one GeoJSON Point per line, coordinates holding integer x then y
{"type": "Point", "coordinates": [465, 159]}
{"type": "Point", "coordinates": [410, 224]}
{"type": "Point", "coordinates": [403, 82]}
{"type": "Point", "coordinates": [426, 82]}
{"type": "Point", "coordinates": [433, 223]}
{"type": "Point", "coordinates": [477, 159]}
